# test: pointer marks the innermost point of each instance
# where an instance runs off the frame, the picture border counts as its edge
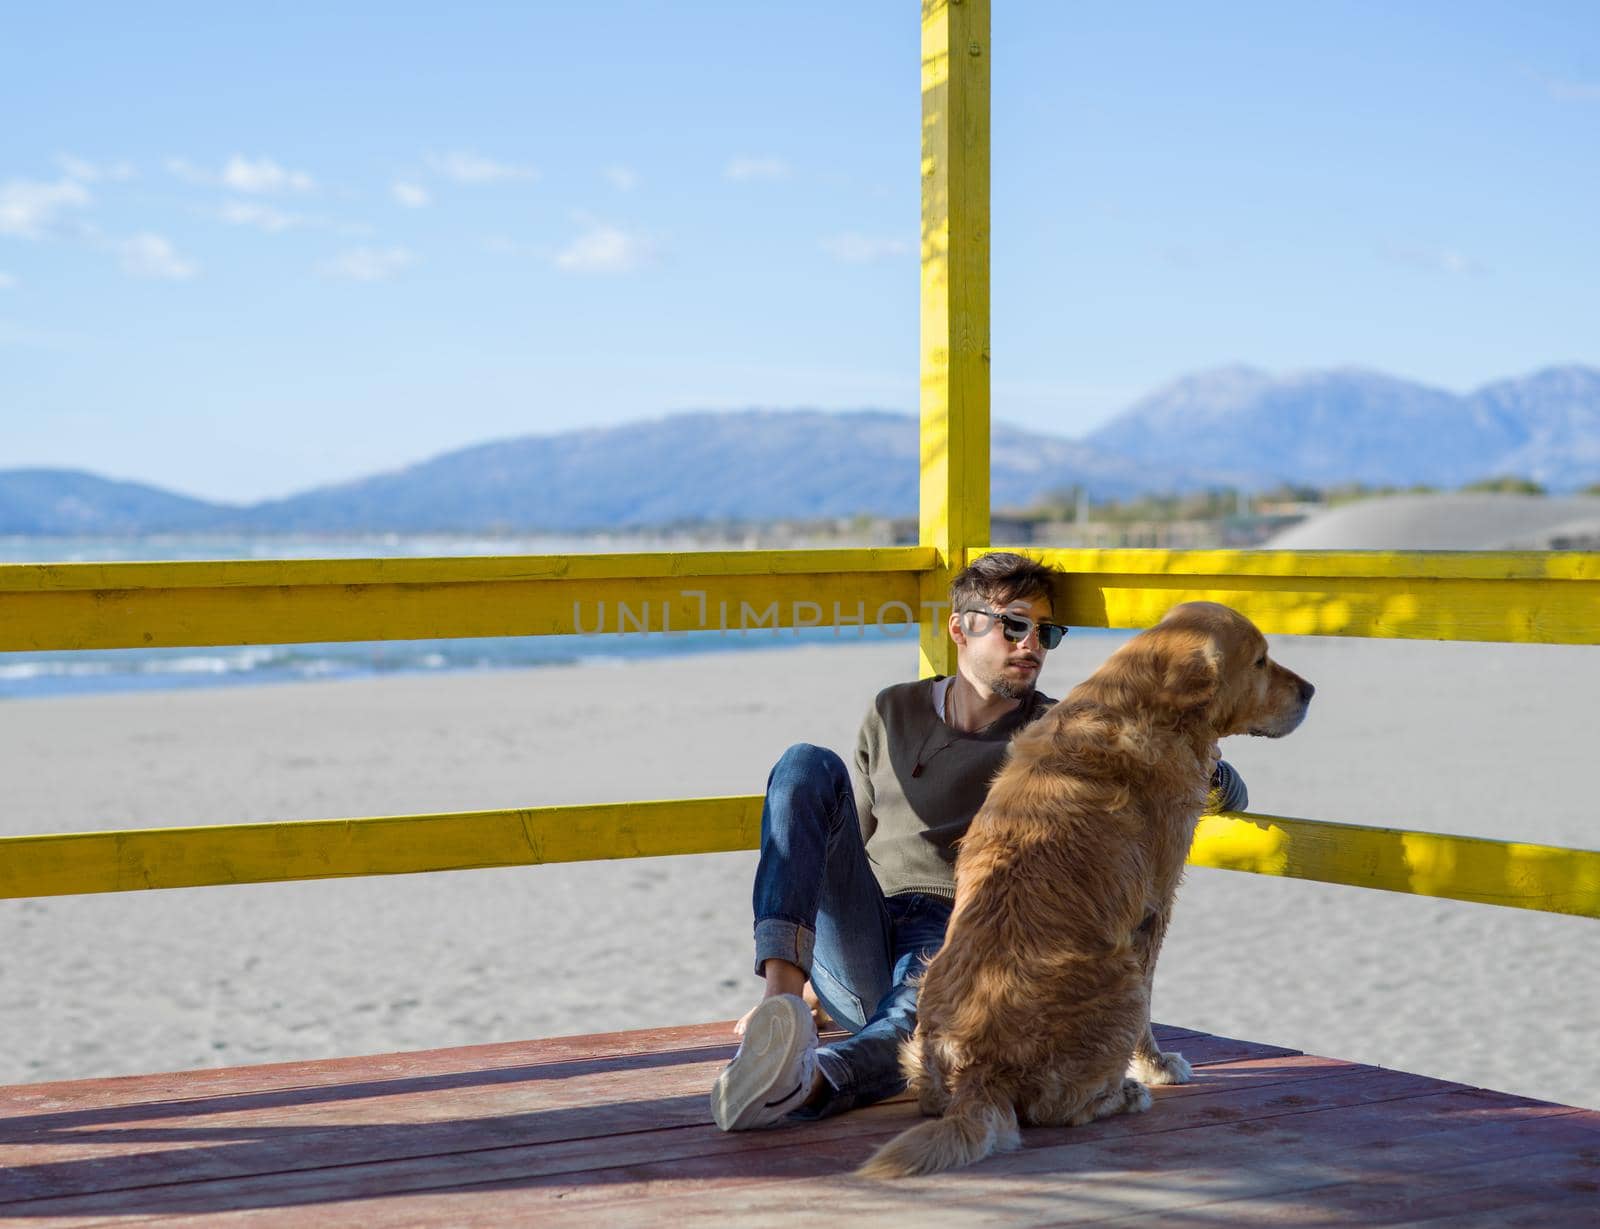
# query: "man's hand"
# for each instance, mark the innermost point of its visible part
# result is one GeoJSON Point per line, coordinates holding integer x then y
{"type": "Point", "coordinates": [743, 1021]}
{"type": "Point", "coordinates": [819, 1013]}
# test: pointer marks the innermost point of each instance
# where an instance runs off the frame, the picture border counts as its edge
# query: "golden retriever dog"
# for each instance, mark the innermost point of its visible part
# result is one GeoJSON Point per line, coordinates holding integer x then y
{"type": "Point", "coordinates": [1037, 1008]}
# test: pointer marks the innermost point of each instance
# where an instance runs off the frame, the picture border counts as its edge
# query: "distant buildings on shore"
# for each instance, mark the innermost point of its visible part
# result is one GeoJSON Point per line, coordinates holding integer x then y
{"type": "Point", "coordinates": [1485, 517]}
{"type": "Point", "coordinates": [1011, 529]}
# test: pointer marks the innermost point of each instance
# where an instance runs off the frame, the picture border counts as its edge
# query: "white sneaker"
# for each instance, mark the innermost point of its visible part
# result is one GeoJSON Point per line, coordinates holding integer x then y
{"type": "Point", "coordinates": [773, 1070]}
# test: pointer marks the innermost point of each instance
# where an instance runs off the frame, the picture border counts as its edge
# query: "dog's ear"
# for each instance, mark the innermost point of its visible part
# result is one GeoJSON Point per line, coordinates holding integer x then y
{"type": "Point", "coordinates": [1193, 675]}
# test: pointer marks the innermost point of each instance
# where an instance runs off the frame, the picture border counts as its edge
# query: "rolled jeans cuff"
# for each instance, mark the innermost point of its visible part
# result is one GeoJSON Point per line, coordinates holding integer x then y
{"type": "Point", "coordinates": [778, 938]}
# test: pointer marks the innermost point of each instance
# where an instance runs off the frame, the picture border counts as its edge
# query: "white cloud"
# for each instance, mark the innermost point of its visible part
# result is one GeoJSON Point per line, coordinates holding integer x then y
{"type": "Point", "coordinates": [622, 178]}
{"type": "Point", "coordinates": [150, 255]}
{"type": "Point", "coordinates": [263, 175]}
{"type": "Point", "coordinates": [85, 171]}
{"type": "Point", "coordinates": [6, 280]}
{"type": "Point", "coordinates": [756, 168]}
{"type": "Point", "coordinates": [856, 249]}
{"type": "Point", "coordinates": [31, 209]}
{"type": "Point", "coordinates": [412, 196]}
{"type": "Point", "coordinates": [262, 217]}
{"type": "Point", "coordinates": [368, 264]}
{"type": "Point", "coordinates": [242, 174]}
{"type": "Point", "coordinates": [603, 248]}
{"type": "Point", "coordinates": [1432, 260]}
{"type": "Point", "coordinates": [463, 166]}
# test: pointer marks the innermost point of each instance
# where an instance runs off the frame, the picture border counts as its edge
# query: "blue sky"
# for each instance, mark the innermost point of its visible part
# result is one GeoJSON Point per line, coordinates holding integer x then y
{"type": "Point", "coordinates": [241, 255]}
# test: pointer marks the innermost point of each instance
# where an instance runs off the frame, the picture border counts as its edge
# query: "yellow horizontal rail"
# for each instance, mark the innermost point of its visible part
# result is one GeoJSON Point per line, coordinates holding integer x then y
{"type": "Point", "coordinates": [1546, 597]}
{"type": "Point", "coordinates": [1523, 876]}
{"type": "Point", "coordinates": [140, 858]}
{"type": "Point", "coordinates": [1544, 877]}
{"type": "Point", "coordinates": [139, 605]}
{"type": "Point", "coordinates": [266, 573]}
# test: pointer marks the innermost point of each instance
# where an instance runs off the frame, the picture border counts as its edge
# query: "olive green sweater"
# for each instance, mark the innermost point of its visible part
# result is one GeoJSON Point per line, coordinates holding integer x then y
{"type": "Point", "coordinates": [918, 783]}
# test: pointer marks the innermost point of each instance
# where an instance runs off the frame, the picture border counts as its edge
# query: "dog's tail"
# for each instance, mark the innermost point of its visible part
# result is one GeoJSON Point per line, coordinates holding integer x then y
{"type": "Point", "coordinates": [975, 1125]}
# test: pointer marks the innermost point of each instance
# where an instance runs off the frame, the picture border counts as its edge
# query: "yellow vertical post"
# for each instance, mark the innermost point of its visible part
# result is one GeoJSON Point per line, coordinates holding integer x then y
{"type": "Point", "coordinates": [955, 304]}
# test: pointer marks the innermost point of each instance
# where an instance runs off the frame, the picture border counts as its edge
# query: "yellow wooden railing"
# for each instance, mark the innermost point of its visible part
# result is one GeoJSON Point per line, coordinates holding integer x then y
{"type": "Point", "coordinates": [1551, 598]}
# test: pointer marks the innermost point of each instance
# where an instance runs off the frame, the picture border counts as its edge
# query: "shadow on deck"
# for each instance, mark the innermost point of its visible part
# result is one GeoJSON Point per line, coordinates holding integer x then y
{"type": "Point", "coordinates": [615, 1130]}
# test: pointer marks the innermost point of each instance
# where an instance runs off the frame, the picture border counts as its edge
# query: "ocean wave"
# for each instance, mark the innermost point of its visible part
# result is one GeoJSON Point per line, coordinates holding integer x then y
{"type": "Point", "coordinates": [211, 663]}
{"type": "Point", "coordinates": [23, 670]}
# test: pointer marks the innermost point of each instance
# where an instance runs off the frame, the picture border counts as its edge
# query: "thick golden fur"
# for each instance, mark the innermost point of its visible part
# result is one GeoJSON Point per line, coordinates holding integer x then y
{"type": "Point", "coordinates": [1037, 1008]}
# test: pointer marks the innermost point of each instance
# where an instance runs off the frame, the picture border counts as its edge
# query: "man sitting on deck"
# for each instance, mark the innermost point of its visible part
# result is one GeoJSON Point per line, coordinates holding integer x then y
{"type": "Point", "coordinates": [856, 879]}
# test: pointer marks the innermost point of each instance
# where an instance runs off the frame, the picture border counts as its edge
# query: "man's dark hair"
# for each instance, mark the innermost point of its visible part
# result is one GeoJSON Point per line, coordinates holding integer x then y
{"type": "Point", "coordinates": [1000, 578]}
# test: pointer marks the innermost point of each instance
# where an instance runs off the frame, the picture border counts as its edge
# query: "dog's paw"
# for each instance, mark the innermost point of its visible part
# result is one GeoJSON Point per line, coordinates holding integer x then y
{"type": "Point", "coordinates": [1135, 1097]}
{"type": "Point", "coordinates": [1169, 1067]}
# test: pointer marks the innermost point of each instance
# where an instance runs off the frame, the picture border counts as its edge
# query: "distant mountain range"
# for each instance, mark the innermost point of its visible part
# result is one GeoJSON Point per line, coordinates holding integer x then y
{"type": "Point", "coordinates": [1229, 427]}
{"type": "Point", "coordinates": [65, 501]}
{"type": "Point", "coordinates": [742, 465]}
{"type": "Point", "coordinates": [1321, 428]}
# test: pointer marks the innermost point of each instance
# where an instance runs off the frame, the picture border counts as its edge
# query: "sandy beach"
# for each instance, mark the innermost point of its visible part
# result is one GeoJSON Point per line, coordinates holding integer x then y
{"type": "Point", "coordinates": [1478, 739]}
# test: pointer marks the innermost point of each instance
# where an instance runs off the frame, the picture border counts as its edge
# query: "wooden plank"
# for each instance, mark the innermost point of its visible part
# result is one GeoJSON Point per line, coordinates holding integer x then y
{"type": "Point", "coordinates": [26, 1108]}
{"type": "Point", "coordinates": [784, 1182]}
{"type": "Point", "coordinates": [141, 605]}
{"type": "Point", "coordinates": [72, 1120]}
{"type": "Point", "coordinates": [944, 1201]}
{"type": "Point", "coordinates": [1539, 1179]}
{"type": "Point", "coordinates": [1112, 1168]}
{"type": "Point", "coordinates": [592, 1163]}
{"type": "Point", "coordinates": [1544, 597]}
{"type": "Point", "coordinates": [1510, 873]}
{"type": "Point", "coordinates": [296, 1136]}
{"type": "Point", "coordinates": [453, 1188]}
{"type": "Point", "coordinates": [47, 1106]}
{"type": "Point", "coordinates": [421, 1139]}
{"type": "Point", "coordinates": [1564, 1191]}
{"type": "Point", "coordinates": [954, 337]}
{"type": "Point", "coordinates": [144, 858]}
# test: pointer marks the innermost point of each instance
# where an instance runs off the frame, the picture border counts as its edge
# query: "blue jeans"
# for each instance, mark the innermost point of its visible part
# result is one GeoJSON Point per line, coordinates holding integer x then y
{"type": "Point", "coordinates": [818, 905]}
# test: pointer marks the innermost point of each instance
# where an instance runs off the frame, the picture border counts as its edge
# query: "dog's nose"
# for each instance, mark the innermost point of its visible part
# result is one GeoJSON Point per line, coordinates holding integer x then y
{"type": "Point", "coordinates": [1306, 692]}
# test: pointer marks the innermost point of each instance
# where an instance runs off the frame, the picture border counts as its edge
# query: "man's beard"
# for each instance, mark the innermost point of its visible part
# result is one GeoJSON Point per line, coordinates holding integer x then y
{"type": "Point", "coordinates": [1011, 689]}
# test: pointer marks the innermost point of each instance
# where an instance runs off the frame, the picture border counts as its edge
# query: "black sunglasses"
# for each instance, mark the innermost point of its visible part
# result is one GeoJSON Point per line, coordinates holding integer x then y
{"type": "Point", "coordinates": [1017, 627]}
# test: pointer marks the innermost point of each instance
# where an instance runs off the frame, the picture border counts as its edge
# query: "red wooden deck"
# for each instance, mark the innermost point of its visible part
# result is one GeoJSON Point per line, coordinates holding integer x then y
{"type": "Point", "coordinates": [614, 1130]}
